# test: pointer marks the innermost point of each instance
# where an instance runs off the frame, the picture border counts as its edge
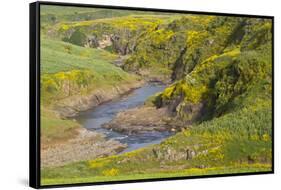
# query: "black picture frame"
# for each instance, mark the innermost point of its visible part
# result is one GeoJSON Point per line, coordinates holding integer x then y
{"type": "Point", "coordinates": [34, 92]}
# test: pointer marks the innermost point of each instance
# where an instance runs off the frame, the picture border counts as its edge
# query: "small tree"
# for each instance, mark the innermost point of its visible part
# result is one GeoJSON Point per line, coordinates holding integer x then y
{"type": "Point", "coordinates": [78, 38]}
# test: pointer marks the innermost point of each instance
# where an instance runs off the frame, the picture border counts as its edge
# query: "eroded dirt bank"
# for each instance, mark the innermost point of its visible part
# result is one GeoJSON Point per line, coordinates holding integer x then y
{"type": "Point", "coordinates": [85, 145]}
{"type": "Point", "coordinates": [71, 106]}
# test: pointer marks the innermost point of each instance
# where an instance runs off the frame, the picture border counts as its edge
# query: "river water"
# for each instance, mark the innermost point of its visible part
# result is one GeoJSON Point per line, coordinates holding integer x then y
{"type": "Point", "coordinates": [94, 118]}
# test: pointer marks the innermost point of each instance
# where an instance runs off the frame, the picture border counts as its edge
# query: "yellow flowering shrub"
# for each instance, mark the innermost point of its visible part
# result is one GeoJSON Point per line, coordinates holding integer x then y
{"type": "Point", "coordinates": [110, 172]}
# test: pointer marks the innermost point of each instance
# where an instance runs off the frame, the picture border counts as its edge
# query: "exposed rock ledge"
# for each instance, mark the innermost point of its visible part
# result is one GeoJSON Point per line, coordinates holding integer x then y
{"type": "Point", "coordinates": [71, 106]}
{"type": "Point", "coordinates": [86, 145]}
{"type": "Point", "coordinates": [141, 120]}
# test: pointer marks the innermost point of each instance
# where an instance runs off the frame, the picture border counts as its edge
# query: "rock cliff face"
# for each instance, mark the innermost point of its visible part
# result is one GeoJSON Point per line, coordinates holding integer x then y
{"type": "Point", "coordinates": [116, 42]}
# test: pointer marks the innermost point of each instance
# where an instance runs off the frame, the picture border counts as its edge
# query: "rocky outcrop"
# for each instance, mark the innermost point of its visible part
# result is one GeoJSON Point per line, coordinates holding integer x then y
{"type": "Point", "coordinates": [172, 154]}
{"type": "Point", "coordinates": [140, 120]}
{"type": "Point", "coordinates": [119, 45]}
{"type": "Point", "coordinates": [120, 61]}
{"type": "Point", "coordinates": [86, 145]}
{"type": "Point", "coordinates": [169, 153]}
{"type": "Point", "coordinates": [92, 42]}
{"type": "Point", "coordinates": [189, 112]}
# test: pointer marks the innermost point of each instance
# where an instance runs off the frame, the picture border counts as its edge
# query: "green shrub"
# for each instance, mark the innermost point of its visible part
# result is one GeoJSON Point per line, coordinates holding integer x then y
{"type": "Point", "coordinates": [78, 38]}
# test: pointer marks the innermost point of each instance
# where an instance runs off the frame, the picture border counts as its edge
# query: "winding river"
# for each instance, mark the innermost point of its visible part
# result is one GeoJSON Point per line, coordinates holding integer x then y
{"type": "Point", "coordinates": [94, 118]}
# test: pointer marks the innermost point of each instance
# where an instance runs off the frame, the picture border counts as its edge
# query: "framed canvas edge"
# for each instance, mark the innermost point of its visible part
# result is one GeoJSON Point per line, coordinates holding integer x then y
{"type": "Point", "coordinates": [34, 94]}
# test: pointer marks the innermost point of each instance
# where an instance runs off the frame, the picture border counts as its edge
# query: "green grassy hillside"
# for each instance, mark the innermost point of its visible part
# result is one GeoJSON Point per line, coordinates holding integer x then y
{"type": "Point", "coordinates": [68, 70]}
{"type": "Point", "coordinates": [55, 14]}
